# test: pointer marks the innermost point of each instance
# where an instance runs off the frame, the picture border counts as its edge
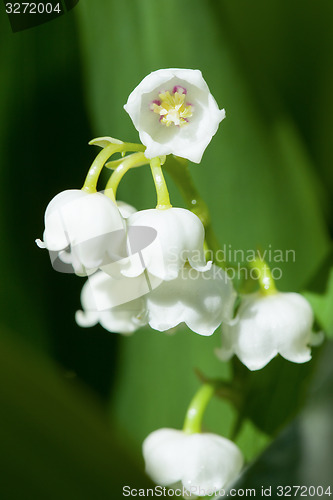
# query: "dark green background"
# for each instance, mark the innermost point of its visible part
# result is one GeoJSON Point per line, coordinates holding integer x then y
{"type": "Point", "coordinates": [76, 404]}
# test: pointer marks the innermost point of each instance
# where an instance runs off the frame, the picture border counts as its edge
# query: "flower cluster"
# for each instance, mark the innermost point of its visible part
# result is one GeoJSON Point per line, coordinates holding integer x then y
{"type": "Point", "coordinates": [142, 269]}
{"type": "Point", "coordinates": [149, 267]}
{"type": "Point", "coordinates": [140, 264]}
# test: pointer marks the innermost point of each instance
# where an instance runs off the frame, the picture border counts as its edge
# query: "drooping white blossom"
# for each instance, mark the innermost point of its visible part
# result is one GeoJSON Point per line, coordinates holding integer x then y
{"type": "Point", "coordinates": [205, 462]}
{"type": "Point", "coordinates": [178, 236]}
{"type": "Point", "coordinates": [119, 305]}
{"type": "Point", "coordinates": [174, 113]}
{"type": "Point", "coordinates": [202, 300]}
{"type": "Point", "coordinates": [267, 325]}
{"type": "Point", "coordinates": [84, 230]}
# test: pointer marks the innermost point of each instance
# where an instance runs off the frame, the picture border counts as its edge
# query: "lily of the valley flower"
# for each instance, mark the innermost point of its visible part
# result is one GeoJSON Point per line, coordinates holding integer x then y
{"type": "Point", "coordinates": [179, 237]}
{"type": "Point", "coordinates": [118, 305]}
{"type": "Point", "coordinates": [201, 300]}
{"type": "Point", "coordinates": [267, 325]}
{"type": "Point", "coordinates": [201, 463]}
{"type": "Point", "coordinates": [83, 229]}
{"type": "Point", "coordinates": [174, 113]}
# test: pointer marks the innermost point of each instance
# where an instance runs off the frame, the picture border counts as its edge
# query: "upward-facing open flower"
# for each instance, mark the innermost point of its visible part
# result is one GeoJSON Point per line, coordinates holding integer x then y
{"type": "Point", "coordinates": [174, 112]}
{"type": "Point", "coordinates": [202, 463]}
{"type": "Point", "coordinates": [267, 325]}
{"type": "Point", "coordinates": [84, 230]}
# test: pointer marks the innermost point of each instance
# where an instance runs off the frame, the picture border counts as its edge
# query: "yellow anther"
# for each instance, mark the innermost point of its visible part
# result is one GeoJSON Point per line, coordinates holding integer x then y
{"type": "Point", "coordinates": [173, 109]}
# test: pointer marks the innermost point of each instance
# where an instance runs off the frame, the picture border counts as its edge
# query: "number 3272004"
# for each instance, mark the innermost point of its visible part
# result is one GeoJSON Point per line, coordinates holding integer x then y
{"type": "Point", "coordinates": [32, 8]}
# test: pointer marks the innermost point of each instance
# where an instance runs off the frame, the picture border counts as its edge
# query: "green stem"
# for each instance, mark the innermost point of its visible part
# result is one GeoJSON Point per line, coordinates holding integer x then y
{"type": "Point", "coordinates": [134, 160]}
{"type": "Point", "coordinates": [195, 412]}
{"type": "Point", "coordinates": [90, 183]}
{"type": "Point", "coordinates": [266, 281]}
{"type": "Point", "coordinates": [163, 198]}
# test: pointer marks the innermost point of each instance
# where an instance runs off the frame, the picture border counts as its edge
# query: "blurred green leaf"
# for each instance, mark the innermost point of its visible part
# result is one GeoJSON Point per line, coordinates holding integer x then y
{"type": "Point", "coordinates": [271, 397]}
{"type": "Point", "coordinates": [286, 47]}
{"type": "Point", "coordinates": [13, 253]}
{"type": "Point", "coordinates": [36, 93]}
{"type": "Point", "coordinates": [322, 305]}
{"type": "Point", "coordinates": [44, 150]}
{"type": "Point", "coordinates": [55, 441]}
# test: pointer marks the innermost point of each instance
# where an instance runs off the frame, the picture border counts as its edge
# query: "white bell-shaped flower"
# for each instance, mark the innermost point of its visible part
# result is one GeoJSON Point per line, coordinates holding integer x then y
{"type": "Point", "coordinates": [267, 325]}
{"type": "Point", "coordinates": [161, 241]}
{"type": "Point", "coordinates": [201, 300]}
{"type": "Point", "coordinates": [84, 230]}
{"type": "Point", "coordinates": [174, 112]}
{"type": "Point", "coordinates": [118, 305]}
{"type": "Point", "coordinates": [201, 463]}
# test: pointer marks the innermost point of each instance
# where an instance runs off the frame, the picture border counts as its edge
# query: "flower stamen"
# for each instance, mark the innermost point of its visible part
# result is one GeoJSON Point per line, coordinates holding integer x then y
{"type": "Point", "coordinates": [172, 108]}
